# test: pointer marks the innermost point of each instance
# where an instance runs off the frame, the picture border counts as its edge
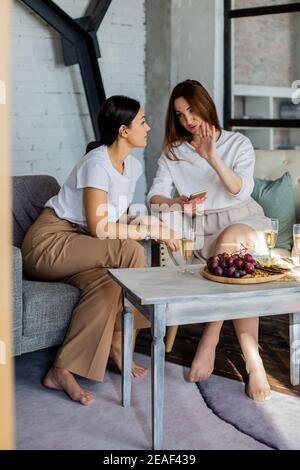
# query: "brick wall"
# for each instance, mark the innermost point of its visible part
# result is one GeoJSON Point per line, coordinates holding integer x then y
{"type": "Point", "coordinates": [265, 47]}
{"type": "Point", "coordinates": [50, 120]}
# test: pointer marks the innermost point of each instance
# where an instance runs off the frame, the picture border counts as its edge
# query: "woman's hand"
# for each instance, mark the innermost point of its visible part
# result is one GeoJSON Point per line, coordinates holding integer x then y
{"type": "Point", "coordinates": [149, 220]}
{"type": "Point", "coordinates": [190, 206]}
{"type": "Point", "coordinates": [174, 245]}
{"type": "Point", "coordinates": [160, 231]}
{"type": "Point", "coordinates": [181, 200]}
{"type": "Point", "coordinates": [194, 206]}
{"type": "Point", "coordinates": [169, 238]}
{"type": "Point", "coordinates": [205, 142]}
{"type": "Point", "coordinates": [164, 234]}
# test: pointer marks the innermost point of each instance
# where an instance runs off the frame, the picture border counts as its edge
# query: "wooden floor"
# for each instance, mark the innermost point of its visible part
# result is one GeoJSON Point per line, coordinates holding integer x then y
{"type": "Point", "coordinates": [274, 349]}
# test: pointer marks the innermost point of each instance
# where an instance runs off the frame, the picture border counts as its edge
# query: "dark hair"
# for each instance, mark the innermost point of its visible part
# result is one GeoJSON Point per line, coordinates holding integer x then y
{"type": "Point", "coordinates": [202, 104]}
{"type": "Point", "coordinates": [115, 112]}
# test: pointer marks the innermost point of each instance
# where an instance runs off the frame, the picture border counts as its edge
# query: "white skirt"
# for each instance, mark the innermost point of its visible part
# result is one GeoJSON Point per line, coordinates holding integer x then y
{"type": "Point", "coordinates": [211, 223]}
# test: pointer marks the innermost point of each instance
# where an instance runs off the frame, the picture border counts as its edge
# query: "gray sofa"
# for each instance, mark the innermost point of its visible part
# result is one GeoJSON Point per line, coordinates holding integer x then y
{"type": "Point", "coordinates": [41, 310]}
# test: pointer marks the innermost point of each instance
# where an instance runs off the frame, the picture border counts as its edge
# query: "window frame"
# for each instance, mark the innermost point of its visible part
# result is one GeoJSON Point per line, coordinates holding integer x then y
{"type": "Point", "coordinates": [229, 15]}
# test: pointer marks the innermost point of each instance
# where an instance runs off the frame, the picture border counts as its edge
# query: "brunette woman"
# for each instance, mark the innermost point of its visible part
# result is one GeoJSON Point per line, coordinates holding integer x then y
{"type": "Point", "coordinates": [83, 231]}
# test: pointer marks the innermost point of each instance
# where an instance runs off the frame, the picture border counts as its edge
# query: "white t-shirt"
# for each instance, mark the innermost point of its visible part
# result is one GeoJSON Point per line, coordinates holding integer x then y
{"type": "Point", "coordinates": [194, 174]}
{"type": "Point", "coordinates": [96, 170]}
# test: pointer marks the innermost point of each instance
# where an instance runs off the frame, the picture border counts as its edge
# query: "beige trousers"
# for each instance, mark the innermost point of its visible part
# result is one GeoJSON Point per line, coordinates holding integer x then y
{"type": "Point", "coordinates": [56, 250]}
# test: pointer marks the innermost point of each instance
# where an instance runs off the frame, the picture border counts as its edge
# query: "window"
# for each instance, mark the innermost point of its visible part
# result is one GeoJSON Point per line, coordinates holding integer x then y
{"type": "Point", "coordinates": [262, 71]}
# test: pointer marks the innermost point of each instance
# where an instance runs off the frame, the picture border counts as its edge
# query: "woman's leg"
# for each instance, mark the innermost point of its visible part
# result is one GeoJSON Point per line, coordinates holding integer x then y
{"type": "Point", "coordinates": [81, 260]}
{"type": "Point", "coordinates": [246, 330]}
{"type": "Point", "coordinates": [91, 337]}
{"type": "Point", "coordinates": [116, 355]}
{"type": "Point", "coordinates": [204, 359]}
{"type": "Point", "coordinates": [232, 239]}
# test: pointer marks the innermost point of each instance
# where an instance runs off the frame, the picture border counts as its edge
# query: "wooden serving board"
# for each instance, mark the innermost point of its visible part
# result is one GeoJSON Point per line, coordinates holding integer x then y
{"type": "Point", "coordinates": [249, 280]}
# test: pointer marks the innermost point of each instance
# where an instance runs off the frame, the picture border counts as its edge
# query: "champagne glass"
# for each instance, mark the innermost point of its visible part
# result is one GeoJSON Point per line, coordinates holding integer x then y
{"type": "Point", "coordinates": [271, 234]}
{"type": "Point", "coordinates": [188, 246]}
{"type": "Point", "coordinates": [296, 235]}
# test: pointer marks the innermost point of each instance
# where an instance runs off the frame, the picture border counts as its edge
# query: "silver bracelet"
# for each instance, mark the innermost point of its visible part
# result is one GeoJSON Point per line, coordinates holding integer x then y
{"type": "Point", "coordinates": [148, 236]}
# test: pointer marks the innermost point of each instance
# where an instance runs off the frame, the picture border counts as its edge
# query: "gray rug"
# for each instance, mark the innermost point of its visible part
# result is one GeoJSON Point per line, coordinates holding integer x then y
{"type": "Point", "coordinates": [49, 420]}
{"type": "Point", "coordinates": [276, 422]}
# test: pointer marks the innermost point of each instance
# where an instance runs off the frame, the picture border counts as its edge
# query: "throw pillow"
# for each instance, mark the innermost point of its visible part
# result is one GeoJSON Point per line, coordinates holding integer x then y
{"type": "Point", "coordinates": [277, 200]}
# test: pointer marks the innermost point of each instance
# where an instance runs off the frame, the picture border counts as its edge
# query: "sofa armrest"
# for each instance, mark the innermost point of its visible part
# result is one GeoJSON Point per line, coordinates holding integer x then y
{"type": "Point", "coordinates": [17, 298]}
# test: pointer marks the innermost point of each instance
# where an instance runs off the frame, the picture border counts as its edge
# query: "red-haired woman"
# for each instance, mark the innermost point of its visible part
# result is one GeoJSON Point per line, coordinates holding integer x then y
{"type": "Point", "coordinates": [199, 155]}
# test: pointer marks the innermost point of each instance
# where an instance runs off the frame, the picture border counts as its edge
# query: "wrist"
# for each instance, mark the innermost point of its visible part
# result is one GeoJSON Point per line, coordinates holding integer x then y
{"type": "Point", "coordinates": [145, 232]}
{"type": "Point", "coordinates": [148, 236]}
{"type": "Point", "coordinates": [214, 160]}
{"type": "Point", "coordinates": [179, 201]}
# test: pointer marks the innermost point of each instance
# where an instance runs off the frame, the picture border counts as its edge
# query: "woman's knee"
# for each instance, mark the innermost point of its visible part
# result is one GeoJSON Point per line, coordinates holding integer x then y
{"type": "Point", "coordinates": [238, 235]}
{"type": "Point", "coordinates": [133, 254]}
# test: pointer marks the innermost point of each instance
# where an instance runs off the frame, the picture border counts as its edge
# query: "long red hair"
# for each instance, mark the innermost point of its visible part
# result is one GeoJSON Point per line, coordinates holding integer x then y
{"type": "Point", "coordinates": [201, 103]}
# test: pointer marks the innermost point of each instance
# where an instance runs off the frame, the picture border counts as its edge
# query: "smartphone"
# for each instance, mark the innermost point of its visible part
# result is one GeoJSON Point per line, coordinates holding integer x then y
{"type": "Point", "coordinates": [200, 194]}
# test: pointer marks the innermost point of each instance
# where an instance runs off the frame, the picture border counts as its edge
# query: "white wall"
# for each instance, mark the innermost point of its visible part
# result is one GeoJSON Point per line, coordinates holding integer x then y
{"type": "Point", "coordinates": [50, 120]}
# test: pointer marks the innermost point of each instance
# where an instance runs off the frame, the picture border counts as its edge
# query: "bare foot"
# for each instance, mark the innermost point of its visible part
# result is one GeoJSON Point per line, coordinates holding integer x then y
{"type": "Point", "coordinates": [116, 356]}
{"type": "Point", "coordinates": [258, 387]}
{"type": "Point", "coordinates": [203, 362]}
{"type": "Point", "coordinates": [136, 371]}
{"type": "Point", "coordinates": [62, 379]}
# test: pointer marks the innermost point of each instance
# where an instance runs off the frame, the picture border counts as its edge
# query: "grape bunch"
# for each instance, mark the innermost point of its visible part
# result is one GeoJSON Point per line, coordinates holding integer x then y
{"type": "Point", "coordinates": [235, 265]}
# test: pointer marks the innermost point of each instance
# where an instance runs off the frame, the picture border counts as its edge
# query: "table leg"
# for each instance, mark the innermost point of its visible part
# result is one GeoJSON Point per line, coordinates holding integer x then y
{"type": "Point", "coordinates": [127, 355]}
{"type": "Point", "coordinates": [294, 348]}
{"type": "Point", "coordinates": [157, 373]}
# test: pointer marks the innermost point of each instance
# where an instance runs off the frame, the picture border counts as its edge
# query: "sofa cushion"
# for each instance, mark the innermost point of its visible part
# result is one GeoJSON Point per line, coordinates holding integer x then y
{"type": "Point", "coordinates": [30, 193]}
{"type": "Point", "coordinates": [278, 202]}
{"type": "Point", "coordinates": [47, 306]}
{"type": "Point", "coordinates": [271, 164]}
{"type": "Point", "coordinates": [45, 340]}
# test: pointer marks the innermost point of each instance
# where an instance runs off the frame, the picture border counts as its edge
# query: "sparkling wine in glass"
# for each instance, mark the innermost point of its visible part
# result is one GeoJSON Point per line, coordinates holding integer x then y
{"type": "Point", "coordinates": [296, 235]}
{"type": "Point", "coordinates": [271, 234]}
{"type": "Point", "coordinates": [187, 244]}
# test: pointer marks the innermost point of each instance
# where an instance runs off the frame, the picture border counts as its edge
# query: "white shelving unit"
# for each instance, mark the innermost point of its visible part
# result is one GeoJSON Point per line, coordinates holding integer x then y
{"type": "Point", "coordinates": [258, 102]}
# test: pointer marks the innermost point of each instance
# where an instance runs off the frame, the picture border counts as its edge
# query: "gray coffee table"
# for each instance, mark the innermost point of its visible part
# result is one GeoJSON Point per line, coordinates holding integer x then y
{"type": "Point", "coordinates": [166, 298]}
